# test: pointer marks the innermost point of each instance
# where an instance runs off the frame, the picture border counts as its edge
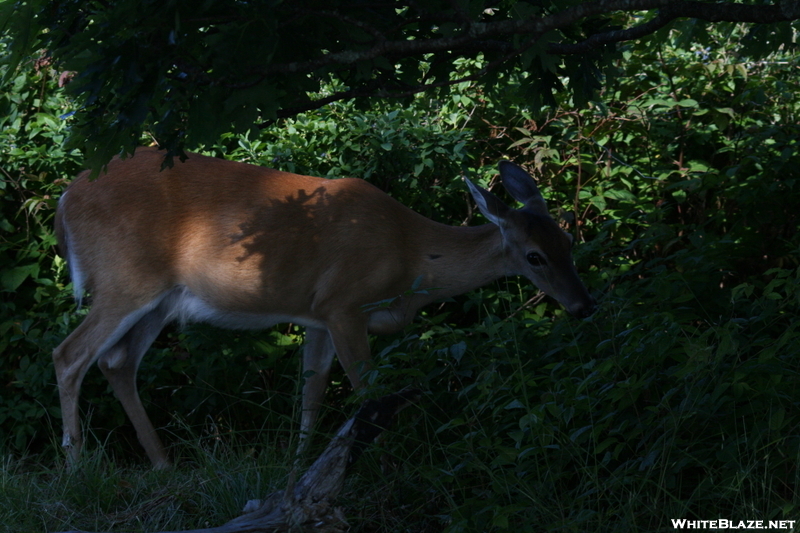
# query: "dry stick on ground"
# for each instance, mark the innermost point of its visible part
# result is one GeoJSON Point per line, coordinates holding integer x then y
{"type": "Point", "coordinates": [307, 505]}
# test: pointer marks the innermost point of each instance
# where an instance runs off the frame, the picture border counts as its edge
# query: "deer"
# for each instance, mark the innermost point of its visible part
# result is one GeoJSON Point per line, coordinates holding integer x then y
{"type": "Point", "coordinates": [241, 246]}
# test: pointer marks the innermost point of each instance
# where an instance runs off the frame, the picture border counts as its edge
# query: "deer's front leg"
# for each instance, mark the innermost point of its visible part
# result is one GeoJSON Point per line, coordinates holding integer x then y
{"type": "Point", "coordinates": [351, 343]}
{"type": "Point", "coordinates": [317, 358]}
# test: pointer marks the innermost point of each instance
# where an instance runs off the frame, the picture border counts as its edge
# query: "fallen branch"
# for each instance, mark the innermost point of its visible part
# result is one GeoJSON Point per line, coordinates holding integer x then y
{"type": "Point", "coordinates": [307, 505]}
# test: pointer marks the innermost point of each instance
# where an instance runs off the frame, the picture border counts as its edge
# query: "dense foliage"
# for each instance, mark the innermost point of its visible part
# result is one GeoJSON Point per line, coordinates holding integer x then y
{"type": "Point", "coordinates": [677, 399]}
{"type": "Point", "coordinates": [185, 71]}
{"type": "Point", "coordinates": [34, 308]}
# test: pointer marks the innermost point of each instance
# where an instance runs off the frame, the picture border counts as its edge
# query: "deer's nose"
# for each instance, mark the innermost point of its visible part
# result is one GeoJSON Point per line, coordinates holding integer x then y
{"type": "Point", "coordinates": [584, 309]}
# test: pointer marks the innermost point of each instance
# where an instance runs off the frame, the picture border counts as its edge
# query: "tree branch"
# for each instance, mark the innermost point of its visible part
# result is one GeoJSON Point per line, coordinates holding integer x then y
{"type": "Point", "coordinates": [535, 27]}
{"type": "Point", "coordinates": [477, 36]}
{"type": "Point", "coordinates": [207, 68]}
{"type": "Point", "coordinates": [476, 31]}
{"type": "Point", "coordinates": [717, 12]}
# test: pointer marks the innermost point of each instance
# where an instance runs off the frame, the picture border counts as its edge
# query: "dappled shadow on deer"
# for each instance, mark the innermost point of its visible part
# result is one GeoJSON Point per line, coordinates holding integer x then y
{"type": "Point", "coordinates": [242, 246]}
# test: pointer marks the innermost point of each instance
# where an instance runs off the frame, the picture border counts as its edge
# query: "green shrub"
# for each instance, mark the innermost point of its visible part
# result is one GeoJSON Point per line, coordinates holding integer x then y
{"type": "Point", "coordinates": [34, 303]}
{"type": "Point", "coordinates": [677, 399]}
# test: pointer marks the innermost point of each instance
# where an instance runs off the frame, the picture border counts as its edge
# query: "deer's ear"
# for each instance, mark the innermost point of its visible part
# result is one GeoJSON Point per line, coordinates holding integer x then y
{"type": "Point", "coordinates": [490, 205]}
{"type": "Point", "coordinates": [522, 187]}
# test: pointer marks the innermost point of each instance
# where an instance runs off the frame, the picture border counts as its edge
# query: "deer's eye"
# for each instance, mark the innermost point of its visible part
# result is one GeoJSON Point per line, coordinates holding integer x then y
{"type": "Point", "coordinates": [535, 259]}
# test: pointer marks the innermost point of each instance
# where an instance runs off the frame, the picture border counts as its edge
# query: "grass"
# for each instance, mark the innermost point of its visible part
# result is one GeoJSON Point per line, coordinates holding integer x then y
{"type": "Point", "coordinates": [208, 486]}
{"type": "Point", "coordinates": [103, 494]}
{"type": "Point", "coordinates": [621, 423]}
{"type": "Point", "coordinates": [420, 478]}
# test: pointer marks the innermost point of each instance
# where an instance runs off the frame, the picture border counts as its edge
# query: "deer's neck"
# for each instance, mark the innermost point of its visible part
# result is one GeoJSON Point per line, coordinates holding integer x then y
{"type": "Point", "coordinates": [457, 259]}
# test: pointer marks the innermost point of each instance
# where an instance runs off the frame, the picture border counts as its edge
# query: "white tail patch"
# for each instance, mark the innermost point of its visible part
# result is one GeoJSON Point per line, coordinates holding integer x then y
{"type": "Point", "coordinates": [76, 274]}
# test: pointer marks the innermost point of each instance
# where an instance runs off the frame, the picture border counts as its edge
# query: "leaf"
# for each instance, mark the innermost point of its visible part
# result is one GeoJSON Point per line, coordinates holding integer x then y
{"type": "Point", "coordinates": [776, 419]}
{"type": "Point", "coordinates": [599, 202]}
{"type": "Point", "coordinates": [620, 194]}
{"type": "Point", "coordinates": [458, 350]}
{"type": "Point", "coordinates": [12, 278]}
{"type": "Point", "coordinates": [577, 433]}
{"type": "Point", "coordinates": [515, 404]}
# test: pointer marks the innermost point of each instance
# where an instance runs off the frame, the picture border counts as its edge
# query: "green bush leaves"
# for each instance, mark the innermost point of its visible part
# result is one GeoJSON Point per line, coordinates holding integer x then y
{"type": "Point", "coordinates": [677, 399]}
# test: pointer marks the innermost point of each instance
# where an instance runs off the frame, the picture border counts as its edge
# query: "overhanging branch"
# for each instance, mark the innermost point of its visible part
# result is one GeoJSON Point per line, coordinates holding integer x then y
{"type": "Point", "coordinates": [488, 35]}
{"type": "Point", "coordinates": [480, 33]}
{"type": "Point", "coordinates": [716, 12]}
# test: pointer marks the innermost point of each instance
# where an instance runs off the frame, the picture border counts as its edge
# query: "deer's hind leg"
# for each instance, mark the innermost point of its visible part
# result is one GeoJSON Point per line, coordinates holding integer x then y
{"type": "Point", "coordinates": [103, 333]}
{"type": "Point", "coordinates": [120, 365]}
